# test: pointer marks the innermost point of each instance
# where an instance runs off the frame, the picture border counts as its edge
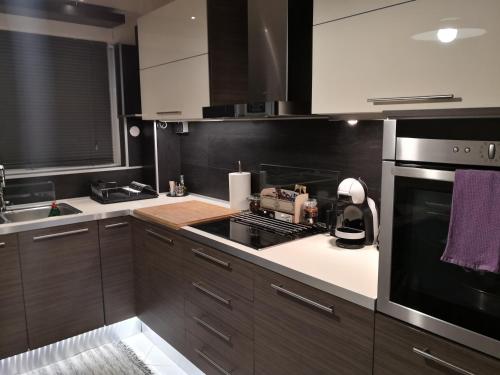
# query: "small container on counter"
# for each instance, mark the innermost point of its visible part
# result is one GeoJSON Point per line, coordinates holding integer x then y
{"type": "Point", "coordinates": [254, 203]}
{"type": "Point", "coordinates": [311, 211]}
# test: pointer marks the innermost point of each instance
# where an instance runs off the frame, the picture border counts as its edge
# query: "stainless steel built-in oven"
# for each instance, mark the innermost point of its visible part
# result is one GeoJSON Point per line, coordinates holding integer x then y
{"type": "Point", "coordinates": [420, 160]}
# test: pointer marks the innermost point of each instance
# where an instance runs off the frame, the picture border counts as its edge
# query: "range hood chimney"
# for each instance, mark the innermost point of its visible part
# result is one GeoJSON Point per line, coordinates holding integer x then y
{"type": "Point", "coordinates": [279, 61]}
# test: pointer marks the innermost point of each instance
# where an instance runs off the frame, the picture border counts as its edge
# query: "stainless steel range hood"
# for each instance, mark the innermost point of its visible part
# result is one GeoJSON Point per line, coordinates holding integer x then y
{"type": "Point", "coordinates": [279, 61]}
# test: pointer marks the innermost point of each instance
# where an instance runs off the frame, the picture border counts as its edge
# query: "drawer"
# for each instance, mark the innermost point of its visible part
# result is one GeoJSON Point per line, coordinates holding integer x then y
{"type": "Point", "coordinates": [220, 336]}
{"type": "Point", "coordinates": [321, 333]}
{"type": "Point", "coordinates": [233, 310]}
{"type": "Point", "coordinates": [399, 346]}
{"type": "Point", "coordinates": [212, 362]}
{"type": "Point", "coordinates": [229, 273]}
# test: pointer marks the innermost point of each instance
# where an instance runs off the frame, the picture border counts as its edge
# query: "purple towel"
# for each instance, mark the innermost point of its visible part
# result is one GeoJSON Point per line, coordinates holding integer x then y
{"type": "Point", "coordinates": [474, 233]}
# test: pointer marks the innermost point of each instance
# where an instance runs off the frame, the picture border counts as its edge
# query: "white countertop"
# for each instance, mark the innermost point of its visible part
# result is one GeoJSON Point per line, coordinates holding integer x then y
{"type": "Point", "coordinates": [315, 261]}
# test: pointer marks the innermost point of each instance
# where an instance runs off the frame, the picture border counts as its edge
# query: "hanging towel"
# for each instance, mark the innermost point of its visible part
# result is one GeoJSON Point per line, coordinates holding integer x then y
{"type": "Point", "coordinates": [474, 233]}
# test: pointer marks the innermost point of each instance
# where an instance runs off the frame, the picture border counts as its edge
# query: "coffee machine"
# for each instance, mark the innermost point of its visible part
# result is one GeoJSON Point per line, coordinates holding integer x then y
{"type": "Point", "coordinates": [357, 218]}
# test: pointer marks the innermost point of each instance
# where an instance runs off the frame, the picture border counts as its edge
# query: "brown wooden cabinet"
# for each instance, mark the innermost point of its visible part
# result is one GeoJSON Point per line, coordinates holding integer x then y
{"type": "Point", "coordinates": [13, 335]}
{"type": "Point", "coordinates": [115, 240]}
{"type": "Point", "coordinates": [301, 330]}
{"type": "Point", "coordinates": [62, 282]}
{"type": "Point", "coordinates": [403, 350]}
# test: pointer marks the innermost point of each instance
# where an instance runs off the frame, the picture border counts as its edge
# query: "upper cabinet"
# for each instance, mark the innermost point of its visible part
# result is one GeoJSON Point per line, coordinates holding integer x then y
{"type": "Point", "coordinates": [173, 32]}
{"type": "Point", "coordinates": [410, 56]}
{"type": "Point", "coordinates": [173, 56]}
{"type": "Point", "coordinates": [329, 10]}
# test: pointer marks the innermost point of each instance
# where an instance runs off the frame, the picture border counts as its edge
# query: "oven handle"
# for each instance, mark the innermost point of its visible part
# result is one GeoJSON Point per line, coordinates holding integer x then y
{"type": "Point", "coordinates": [426, 174]}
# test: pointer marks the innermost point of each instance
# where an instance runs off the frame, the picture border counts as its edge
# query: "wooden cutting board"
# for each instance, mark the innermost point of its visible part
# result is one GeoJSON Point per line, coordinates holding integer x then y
{"type": "Point", "coordinates": [177, 215]}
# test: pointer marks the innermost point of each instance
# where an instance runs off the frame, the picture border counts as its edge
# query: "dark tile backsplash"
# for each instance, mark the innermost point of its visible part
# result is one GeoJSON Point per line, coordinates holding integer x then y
{"type": "Point", "coordinates": [211, 150]}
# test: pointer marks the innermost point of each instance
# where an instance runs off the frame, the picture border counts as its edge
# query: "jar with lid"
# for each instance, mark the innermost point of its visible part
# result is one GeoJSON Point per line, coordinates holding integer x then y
{"type": "Point", "coordinates": [311, 211]}
{"type": "Point", "coordinates": [254, 203]}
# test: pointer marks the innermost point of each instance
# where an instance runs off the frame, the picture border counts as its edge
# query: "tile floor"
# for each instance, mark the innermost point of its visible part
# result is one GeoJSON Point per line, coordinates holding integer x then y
{"type": "Point", "coordinates": [156, 360]}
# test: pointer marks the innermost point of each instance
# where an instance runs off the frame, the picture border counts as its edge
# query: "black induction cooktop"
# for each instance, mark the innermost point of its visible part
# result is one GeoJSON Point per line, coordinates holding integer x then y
{"type": "Point", "coordinates": [256, 231]}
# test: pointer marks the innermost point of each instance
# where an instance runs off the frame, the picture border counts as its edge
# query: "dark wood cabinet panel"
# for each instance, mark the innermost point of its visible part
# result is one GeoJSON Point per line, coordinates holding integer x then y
{"type": "Point", "coordinates": [13, 335]}
{"type": "Point", "coordinates": [301, 330]}
{"type": "Point", "coordinates": [397, 346]}
{"type": "Point", "coordinates": [115, 240]}
{"type": "Point", "coordinates": [62, 282]}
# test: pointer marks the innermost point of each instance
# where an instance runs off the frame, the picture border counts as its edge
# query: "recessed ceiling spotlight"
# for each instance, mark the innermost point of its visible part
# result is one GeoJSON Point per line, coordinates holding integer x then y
{"type": "Point", "coordinates": [352, 122]}
{"type": "Point", "coordinates": [447, 35]}
{"type": "Point", "coordinates": [193, 17]}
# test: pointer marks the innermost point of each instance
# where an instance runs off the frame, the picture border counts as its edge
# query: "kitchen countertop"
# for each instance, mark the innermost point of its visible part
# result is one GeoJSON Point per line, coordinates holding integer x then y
{"type": "Point", "coordinates": [315, 261]}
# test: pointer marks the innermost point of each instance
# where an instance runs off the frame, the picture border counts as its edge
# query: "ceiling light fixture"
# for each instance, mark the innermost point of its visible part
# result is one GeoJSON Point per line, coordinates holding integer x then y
{"type": "Point", "coordinates": [352, 122]}
{"type": "Point", "coordinates": [193, 17]}
{"type": "Point", "coordinates": [447, 35]}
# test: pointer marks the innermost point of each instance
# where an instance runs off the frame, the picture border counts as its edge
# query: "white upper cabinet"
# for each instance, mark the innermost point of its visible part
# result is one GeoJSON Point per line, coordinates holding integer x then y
{"type": "Point", "coordinates": [328, 10]}
{"type": "Point", "coordinates": [173, 32]}
{"type": "Point", "coordinates": [415, 49]}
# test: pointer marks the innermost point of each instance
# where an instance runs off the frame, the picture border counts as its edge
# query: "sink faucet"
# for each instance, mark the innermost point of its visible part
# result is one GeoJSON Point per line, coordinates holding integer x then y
{"type": "Point", "coordinates": [3, 202]}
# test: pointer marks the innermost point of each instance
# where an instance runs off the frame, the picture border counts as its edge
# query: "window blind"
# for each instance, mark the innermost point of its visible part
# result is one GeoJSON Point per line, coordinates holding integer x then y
{"type": "Point", "coordinates": [54, 102]}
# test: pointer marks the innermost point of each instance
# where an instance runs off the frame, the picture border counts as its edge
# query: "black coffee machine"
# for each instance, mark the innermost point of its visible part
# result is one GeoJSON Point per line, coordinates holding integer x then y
{"type": "Point", "coordinates": [357, 218]}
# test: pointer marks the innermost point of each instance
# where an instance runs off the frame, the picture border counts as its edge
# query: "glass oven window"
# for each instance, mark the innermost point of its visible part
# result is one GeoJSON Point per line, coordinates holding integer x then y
{"type": "Point", "coordinates": [419, 279]}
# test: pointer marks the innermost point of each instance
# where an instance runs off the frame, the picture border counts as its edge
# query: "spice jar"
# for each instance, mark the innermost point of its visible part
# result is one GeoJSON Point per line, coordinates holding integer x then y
{"type": "Point", "coordinates": [311, 211]}
{"type": "Point", "coordinates": [254, 203]}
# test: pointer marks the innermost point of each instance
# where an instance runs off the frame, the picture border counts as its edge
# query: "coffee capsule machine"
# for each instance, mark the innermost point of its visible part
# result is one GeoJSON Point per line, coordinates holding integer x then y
{"type": "Point", "coordinates": [357, 218]}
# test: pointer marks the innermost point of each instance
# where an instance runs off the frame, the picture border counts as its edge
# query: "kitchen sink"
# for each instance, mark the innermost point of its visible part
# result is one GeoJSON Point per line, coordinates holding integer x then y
{"type": "Point", "coordinates": [35, 213]}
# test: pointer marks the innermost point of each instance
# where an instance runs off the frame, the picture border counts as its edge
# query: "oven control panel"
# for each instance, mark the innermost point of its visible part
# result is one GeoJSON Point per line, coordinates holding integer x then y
{"type": "Point", "coordinates": [479, 153]}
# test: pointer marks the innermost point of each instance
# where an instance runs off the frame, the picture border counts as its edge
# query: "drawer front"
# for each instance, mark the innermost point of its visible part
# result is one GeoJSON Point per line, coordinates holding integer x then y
{"type": "Point", "coordinates": [300, 323]}
{"type": "Point", "coordinates": [220, 336]}
{"type": "Point", "coordinates": [163, 250]}
{"type": "Point", "coordinates": [399, 346]}
{"type": "Point", "coordinates": [115, 239]}
{"type": "Point", "coordinates": [62, 282]}
{"type": "Point", "coordinates": [229, 273]}
{"type": "Point", "coordinates": [13, 339]}
{"type": "Point", "coordinates": [212, 362]}
{"type": "Point", "coordinates": [234, 311]}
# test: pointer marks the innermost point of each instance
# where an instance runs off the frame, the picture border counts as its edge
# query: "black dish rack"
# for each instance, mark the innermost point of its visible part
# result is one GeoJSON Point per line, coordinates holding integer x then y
{"type": "Point", "coordinates": [110, 192]}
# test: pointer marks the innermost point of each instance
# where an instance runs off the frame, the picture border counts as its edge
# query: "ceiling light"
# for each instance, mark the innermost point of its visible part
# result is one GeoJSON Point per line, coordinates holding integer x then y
{"type": "Point", "coordinates": [352, 122]}
{"type": "Point", "coordinates": [447, 35]}
{"type": "Point", "coordinates": [193, 17]}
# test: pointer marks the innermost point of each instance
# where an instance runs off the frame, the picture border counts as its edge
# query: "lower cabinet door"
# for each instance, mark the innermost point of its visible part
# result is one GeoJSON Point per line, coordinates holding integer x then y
{"type": "Point", "coordinates": [62, 282]}
{"type": "Point", "coordinates": [403, 350]}
{"type": "Point", "coordinates": [301, 330]}
{"type": "Point", "coordinates": [13, 337]}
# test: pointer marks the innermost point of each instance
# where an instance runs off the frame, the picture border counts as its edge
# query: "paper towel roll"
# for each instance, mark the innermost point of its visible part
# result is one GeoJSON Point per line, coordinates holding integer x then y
{"type": "Point", "coordinates": [239, 190]}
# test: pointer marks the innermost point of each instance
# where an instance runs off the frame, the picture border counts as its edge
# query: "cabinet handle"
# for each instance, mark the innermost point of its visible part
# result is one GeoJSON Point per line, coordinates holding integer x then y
{"type": "Point", "coordinates": [159, 236]}
{"type": "Point", "coordinates": [212, 329]}
{"type": "Point", "coordinates": [317, 305]}
{"type": "Point", "coordinates": [211, 294]}
{"type": "Point", "coordinates": [410, 99]}
{"type": "Point", "coordinates": [2, 244]}
{"type": "Point", "coordinates": [62, 234]}
{"type": "Point", "coordinates": [116, 225]}
{"type": "Point", "coordinates": [169, 113]}
{"type": "Point", "coordinates": [425, 354]}
{"type": "Point", "coordinates": [218, 367]}
{"type": "Point", "coordinates": [210, 258]}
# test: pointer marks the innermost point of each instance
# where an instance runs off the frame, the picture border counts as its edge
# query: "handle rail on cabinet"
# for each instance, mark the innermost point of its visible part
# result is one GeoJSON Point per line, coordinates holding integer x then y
{"type": "Point", "coordinates": [212, 329]}
{"type": "Point", "coordinates": [116, 225]}
{"type": "Point", "coordinates": [2, 244]}
{"type": "Point", "coordinates": [159, 236]}
{"type": "Point", "coordinates": [198, 286]}
{"type": "Point", "coordinates": [218, 367]}
{"type": "Point", "coordinates": [413, 99]}
{"type": "Point", "coordinates": [210, 258]}
{"type": "Point", "coordinates": [425, 354]}
{"type": "Point", "coordinates": [61, 234]}
{"type": "Point", "coordinates": [300, 298]}
{"type": "Point", "coordinates": [169, 113]}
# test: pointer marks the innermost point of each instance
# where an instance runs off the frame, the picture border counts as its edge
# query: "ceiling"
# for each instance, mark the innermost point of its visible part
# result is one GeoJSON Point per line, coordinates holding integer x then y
{"type": "Point", "coordinates": [131, 7]}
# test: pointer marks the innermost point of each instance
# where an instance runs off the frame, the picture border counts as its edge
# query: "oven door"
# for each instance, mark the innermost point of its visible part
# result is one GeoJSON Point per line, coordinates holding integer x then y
{"type": "Point", "coordinates": [414, 284]}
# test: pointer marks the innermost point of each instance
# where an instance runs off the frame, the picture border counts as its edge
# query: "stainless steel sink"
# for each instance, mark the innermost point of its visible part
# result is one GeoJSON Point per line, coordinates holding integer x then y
{"type": "Point", "coordinates": [35, 213]}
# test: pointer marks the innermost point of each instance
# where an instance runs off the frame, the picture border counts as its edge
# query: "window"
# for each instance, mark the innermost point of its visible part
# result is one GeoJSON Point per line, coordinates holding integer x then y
{"type": "Point", "coordinates": [55, 102]}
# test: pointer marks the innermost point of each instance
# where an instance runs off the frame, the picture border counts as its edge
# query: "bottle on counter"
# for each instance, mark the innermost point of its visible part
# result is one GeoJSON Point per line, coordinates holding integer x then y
{"type": "Point", "coordinates": [311, 211]}
{"type": "Point", "coordinates": [54, 210]}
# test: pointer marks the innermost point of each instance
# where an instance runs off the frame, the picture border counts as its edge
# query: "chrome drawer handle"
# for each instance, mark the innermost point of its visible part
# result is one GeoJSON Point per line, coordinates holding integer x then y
{"type": "Point", "coordinates": [2, 244]}
{"type": "Point", "coordinates": [210, 258]}
{"type": "Point", "coordinates": [411, 99]}
{"type": "Point", "coordinates": [116, 225]}
{"type": "Point", "coordinates": [425, 354]}
{"type": "Point", "coordinates": [169, 113]}
{"type": "Point", "coordinates": [211, 294]}
{"type": "Point", "coordinates": [62, 234]}
{"type": "Point", "coordinates": [159, 236]}
{"type": "Point", "coordinates": [303, 299]}
{"type": "Point", "coordinates": [212, 329]}
{"type": "Point", "coordinates": [218, 367]}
